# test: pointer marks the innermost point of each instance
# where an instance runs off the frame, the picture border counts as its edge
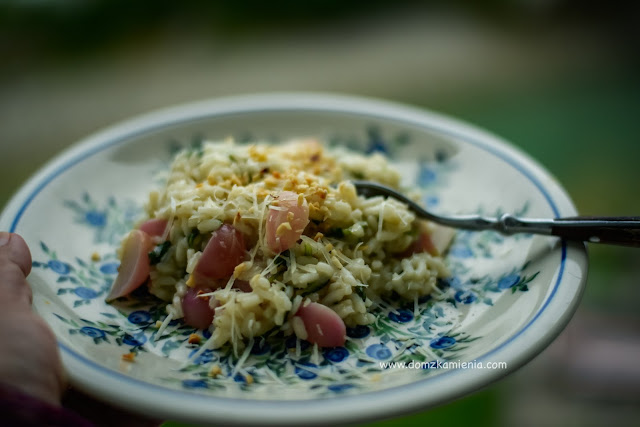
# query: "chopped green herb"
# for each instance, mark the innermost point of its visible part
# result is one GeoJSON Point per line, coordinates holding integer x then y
{"type": "Point", "coordinates": [278, 277]}
{"type": "Point", "coordinates": [155, 256]}
{"type": "Point", "coordinates": [308, 249]}
{"type": "Point", "coordinates": [195, 233]}
{"type": "Point", "coordinates": [314, 287]}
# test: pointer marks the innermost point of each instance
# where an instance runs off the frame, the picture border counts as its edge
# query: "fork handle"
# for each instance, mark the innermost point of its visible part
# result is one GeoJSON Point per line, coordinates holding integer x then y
{"type": "Point", "coordinates": [609, 230]}
{"type": "Point", "coordinates": [623, 230]}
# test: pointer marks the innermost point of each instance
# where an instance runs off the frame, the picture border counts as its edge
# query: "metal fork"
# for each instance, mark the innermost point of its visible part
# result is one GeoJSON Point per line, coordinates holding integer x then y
{"type": "Point", "coordinates": [610, 230]}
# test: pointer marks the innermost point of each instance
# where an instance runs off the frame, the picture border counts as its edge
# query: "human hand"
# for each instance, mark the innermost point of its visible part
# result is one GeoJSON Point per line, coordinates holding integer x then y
{"type": "Point", "coordinates": [29, 359]}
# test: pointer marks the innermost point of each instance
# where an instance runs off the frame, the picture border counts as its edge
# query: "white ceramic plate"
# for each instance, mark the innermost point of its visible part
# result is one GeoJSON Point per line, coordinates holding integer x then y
{"type": "Point", "coordinates": [507, 299]}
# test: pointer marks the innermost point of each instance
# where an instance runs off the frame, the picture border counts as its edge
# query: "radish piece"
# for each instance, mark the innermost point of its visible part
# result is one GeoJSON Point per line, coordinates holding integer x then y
{"type": "Point", "coordinates": [441, 237]}
{"type": "Point", "coordinates": [323, 325]}
{"type": "Point", "coordinates": [425, 244]}
{"type": "Point", "coordinates": [435, 242]}
{"type": "Point", "coordinates": [154, 227]}
{"type": "Point", "coordinates": [288, 216]}
{"type": "Point", "coordinates": [224, 251]}
{"type": "Point", "coordinates": [134, 267]}
{"type": "Point", "coordinates": [197, 311]}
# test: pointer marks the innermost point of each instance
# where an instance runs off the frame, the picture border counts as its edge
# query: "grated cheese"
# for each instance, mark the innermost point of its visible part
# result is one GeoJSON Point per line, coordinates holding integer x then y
{"type": "Point", "coordinates": [350, 242]}
{"type": "Point", "coordinates": [164, 325]}
{"type": "Point", "coordinates": [243, 358]}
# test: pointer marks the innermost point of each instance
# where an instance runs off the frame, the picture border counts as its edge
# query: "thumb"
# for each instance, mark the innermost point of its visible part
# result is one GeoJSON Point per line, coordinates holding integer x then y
{"type": "Point", "coordinates": [15, 265]}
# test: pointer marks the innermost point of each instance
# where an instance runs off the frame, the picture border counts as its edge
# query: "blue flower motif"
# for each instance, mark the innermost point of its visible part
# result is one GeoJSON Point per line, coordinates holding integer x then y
{"type": "Point", "coordinates": [401, 316]}
{"type": "Point", "coordinates": [95, 218]}
{"type": "Point", "coordinates": [378, 351]}
{"type": "Point", "coordinates": [92, 332]}
{"type": "Point", "coordinates": [59, 267]}
{"type": "Point", "coordinates": [336, 354]}
{"type": "Point", "coordinates": [465, 297]}
{"type": "Point", "coordinates": [339, 388]}
{"type": "Point", "coordinates": [360, 331]}
{"type": "Point", "coordinates": [195, 384]}
{"type": "Point", "coordinates": [304, 374]}
{"type": "Point", "coordinates": [442, 342]}
{"type": "Point", "coordinates": [109, 268]}
{"type": "Point", "coordinates": [205, 333]}
{"type": "Point", "coordinates": [431, 201]}
{"type": "Point", "coordinates": [460, 251]}
{"type": "Point", "coordinates": [139, 317]}
{"type": "Point", "coordinates": [425, 176]}
{"type": "Point", "coordinates": [85, 293]}
{"type": "Point", "coordinates": [136, 340]}
{"type": "Point", "coordinates": [508, 281]}
{"type": "Point", "coordinates": [206, 357]}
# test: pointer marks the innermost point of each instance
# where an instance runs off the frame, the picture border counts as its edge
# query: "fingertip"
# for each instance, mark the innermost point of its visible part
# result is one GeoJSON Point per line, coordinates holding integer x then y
{"type": "Point", "coordinates": [17, 250]}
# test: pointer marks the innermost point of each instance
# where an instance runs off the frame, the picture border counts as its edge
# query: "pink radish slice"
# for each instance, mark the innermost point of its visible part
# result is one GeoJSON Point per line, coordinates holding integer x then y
{"type": "Point", "coordinates": [423, 244]}
{"type": "Point", "coordinates": [224, 251]}
{"type": "Point", "coordinates": [441, 237]}
{"type": "Point", "coordinates": [435, 242]}
{"type": "Point", "coordinates": [197, 311]}
{"type": "Point", "coordinates": [286, 221]}
{"type": "Point", "coordinates": [154, 226]}
{"type": "Point", "coordinates": [323, 325]}
{"type": "Point", "coordinates": [134, 267]}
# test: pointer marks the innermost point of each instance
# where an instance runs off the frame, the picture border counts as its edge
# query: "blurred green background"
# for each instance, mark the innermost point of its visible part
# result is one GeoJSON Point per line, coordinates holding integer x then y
{"type": "Point", "coordinates": [558, 78]}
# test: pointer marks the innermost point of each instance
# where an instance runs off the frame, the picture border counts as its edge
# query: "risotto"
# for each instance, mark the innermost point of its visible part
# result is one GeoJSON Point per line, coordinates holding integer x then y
{"type": "Point", "coordinates": [245, 239]}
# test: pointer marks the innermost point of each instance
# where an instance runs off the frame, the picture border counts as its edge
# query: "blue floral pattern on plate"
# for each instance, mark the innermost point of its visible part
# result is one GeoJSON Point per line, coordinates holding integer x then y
{"type": "Point", "coordinates": [424, 332]}
{"type": "Point", "coordinates": [109, 221]}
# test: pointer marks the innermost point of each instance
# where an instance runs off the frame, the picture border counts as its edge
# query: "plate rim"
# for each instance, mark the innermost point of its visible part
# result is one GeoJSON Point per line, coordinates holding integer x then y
{"type": "Point", "coordinates": [83, 371]}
